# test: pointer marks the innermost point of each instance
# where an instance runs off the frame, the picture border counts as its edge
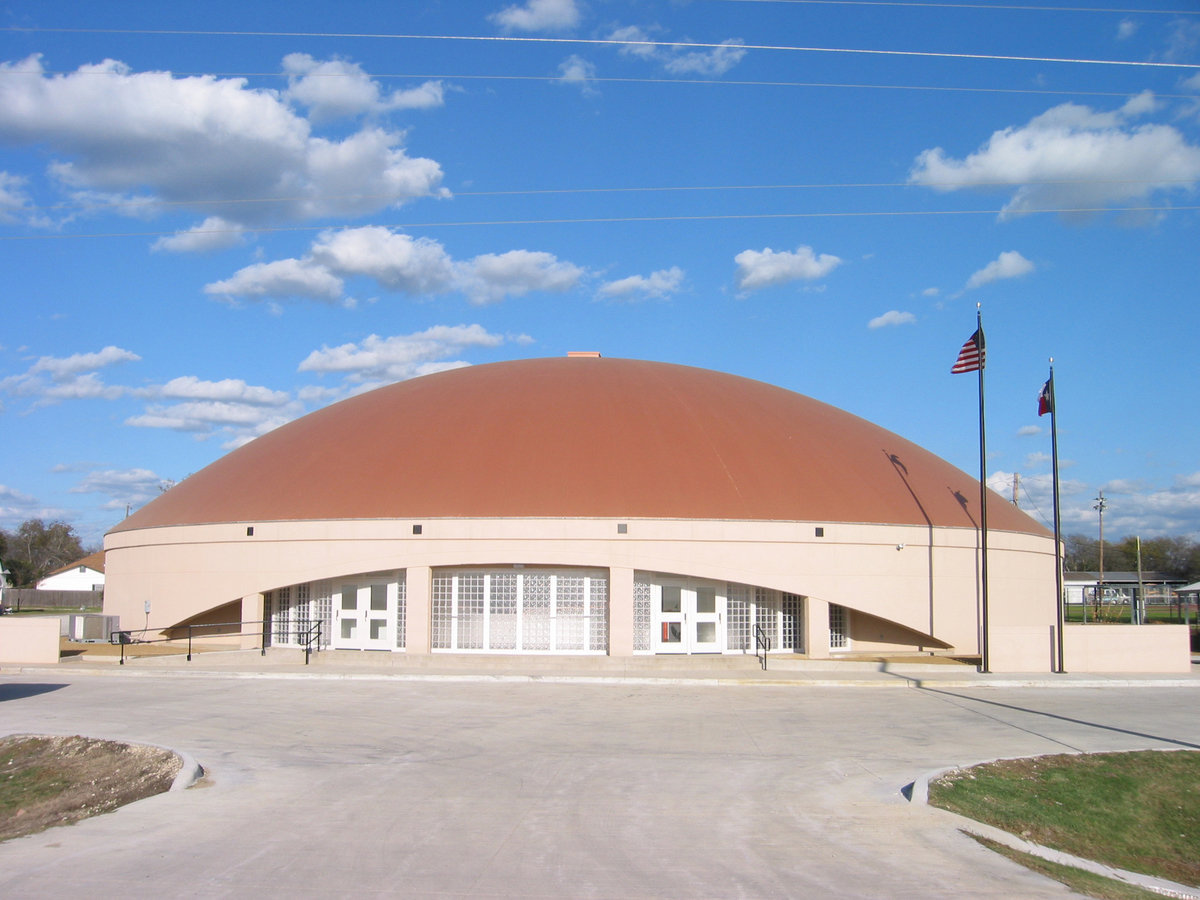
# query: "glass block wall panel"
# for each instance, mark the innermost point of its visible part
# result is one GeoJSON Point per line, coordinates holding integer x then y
{"type": "Point", "coordinates": [470, 611]}
{"type": "Point", "coordinates": [303, 613]}
{"type": "Point", "coordinates": [792, 610]}
{"type": "Point", "coordinates": [282, 619]}
{"type": "Point", "coordinates": [503, 607]}
{"type": "Point", "coordinates": [642, 619]}
{"type": "Point", "coordinates": [323, 609]}
{"type": "Point", "coordinates": [839, 633]}
{"type": "Point", "coordinates": [536, 606]}
{"type": "Point", "coordinates": [766, 613]}
{"type": "Point", "coordinates": [737, 617]}
{"type": "Point", "coordinates": [442, 612]}
{"type": "Point", "coordinates": [268, 605]}
{"type": "Point", "coordinates": [401, 609]}
{"type": "Point", "coordinates": [570, 609]}
{"type": "Point", "coordinates": [598, 613]}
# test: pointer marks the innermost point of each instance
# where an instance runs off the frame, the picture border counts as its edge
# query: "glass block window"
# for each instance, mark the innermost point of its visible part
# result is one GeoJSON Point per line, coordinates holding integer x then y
{"type": "Point", "coordinates": [401, 609]}
{"type": "Point", "coordinates": [766, 614]}
{"type": "Point", "coordinates": [737, 617]}
{"type": "Point", "coordinates": [503, 611]}
{"type": "Point", "coordinates": [536, 607]}
{"type": "Point", "coordinates": [545, 611]}
{"type": "Point", "coordinates": [791, 608]}
{"type": "Point", "coordinates": [282, 620]}
{"type": "Point", "coordinates": [302, 609]}
{"type": "Point", "coordinates": [443, 612]}
{"type": "Point", "coordinates": [268, 600]}
{"type": "Point", "coordinates": [642, 619]}
{"type": "Point", "coordinates": [323, 609]}
{"type": "Point", "coordinates": [839, 627]}
{"type": "Point", "coordinates": [597, 591]}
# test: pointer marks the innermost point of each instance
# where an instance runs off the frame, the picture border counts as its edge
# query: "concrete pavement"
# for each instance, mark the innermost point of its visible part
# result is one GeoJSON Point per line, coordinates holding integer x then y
{"type": "Point", "coordinates": [357, 783]}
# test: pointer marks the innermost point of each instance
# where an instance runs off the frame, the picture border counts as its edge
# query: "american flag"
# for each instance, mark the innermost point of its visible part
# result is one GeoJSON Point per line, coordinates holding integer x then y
{"type": "Point", "coordinates": [971, 356]}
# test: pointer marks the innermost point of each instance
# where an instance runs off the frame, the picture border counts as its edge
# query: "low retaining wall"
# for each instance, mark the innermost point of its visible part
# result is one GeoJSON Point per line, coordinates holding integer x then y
{"type": "Point", "coordinates": [1126, 648]}
{"type": "Point", "coordinates": [29, 640]}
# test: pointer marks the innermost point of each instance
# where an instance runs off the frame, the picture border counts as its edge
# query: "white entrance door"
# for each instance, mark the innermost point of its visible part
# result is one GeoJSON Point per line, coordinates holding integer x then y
{"type": "Point", "coordinates": [689, 618]}
{"type": "Point", "coordinates": [365, 615]}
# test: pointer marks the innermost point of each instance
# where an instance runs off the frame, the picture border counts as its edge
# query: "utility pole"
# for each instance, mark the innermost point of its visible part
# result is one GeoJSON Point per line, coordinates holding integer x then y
{"type": "Point", "coordinates": [1016, 489]}
{"type": "Point", "coordinates": [1100, 507]}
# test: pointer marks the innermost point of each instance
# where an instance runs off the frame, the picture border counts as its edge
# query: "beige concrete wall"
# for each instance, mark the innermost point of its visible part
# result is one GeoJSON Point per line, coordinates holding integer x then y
{"type": "Point", "coordinates": [1020, 649]}
{"type": "Point", "coordinates": [1127, 648]}
{"type": "Point", "coordinates": [31, 640]}
{"type": "Point", "coordinates": [922, 579]}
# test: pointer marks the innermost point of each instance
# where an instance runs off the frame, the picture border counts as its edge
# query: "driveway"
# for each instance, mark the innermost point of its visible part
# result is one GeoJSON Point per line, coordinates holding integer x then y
{"type": "Point", "coordinates": [323, 787]}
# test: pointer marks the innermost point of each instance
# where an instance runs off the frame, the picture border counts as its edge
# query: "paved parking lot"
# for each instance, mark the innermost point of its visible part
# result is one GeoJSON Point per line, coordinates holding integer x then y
{"type": "Point", "coordinates": [384, 787]}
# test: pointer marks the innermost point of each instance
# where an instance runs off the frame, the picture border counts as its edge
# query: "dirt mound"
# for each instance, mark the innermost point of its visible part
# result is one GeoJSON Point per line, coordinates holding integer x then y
{"type": "Point", "coordinates": [48, 781]}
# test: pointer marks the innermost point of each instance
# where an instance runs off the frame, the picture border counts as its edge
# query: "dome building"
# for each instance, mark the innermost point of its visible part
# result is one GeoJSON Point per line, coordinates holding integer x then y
{"type": "Point", "coordinates": [586, 505]}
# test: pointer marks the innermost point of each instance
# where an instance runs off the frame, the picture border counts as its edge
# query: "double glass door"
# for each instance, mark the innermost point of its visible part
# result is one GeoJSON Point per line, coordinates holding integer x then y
{"type": "Point", "coordinates": [365, 615]}
{"type": "Point", "coordinates": [690, 617]}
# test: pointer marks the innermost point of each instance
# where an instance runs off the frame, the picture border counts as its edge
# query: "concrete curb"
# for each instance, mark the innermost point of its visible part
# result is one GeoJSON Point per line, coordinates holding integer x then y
{"type": "Point", "coordinates": [920, 795]}
{"type": "Point", "coordinates": [823, 680]}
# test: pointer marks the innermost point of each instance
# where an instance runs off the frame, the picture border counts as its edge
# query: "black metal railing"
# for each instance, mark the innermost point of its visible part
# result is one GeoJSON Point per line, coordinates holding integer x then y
{"type": "Point", "coordinates": [763, 643]}
{"type": "Point", "coordinates": [308, 637]}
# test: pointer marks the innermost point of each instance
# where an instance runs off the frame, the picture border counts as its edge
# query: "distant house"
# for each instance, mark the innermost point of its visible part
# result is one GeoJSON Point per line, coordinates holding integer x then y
{"type": "Point", "coordinates": [85, 574]}
{"type": "Point", "coordinates": [1119, 587]}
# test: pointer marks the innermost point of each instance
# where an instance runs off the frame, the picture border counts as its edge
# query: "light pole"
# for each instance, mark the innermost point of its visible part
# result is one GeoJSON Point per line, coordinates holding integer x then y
{"type": "Point", "coordinates": [1100, 507]}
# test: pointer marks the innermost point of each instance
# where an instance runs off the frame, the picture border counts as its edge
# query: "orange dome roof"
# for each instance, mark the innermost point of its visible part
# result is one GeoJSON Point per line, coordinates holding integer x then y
{"type": "Point", "coordinates": [580, 437]}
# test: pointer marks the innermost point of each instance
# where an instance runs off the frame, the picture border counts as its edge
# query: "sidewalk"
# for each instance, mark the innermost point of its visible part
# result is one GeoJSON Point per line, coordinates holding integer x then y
{"type": "Point", "coordinates": [705, 671]}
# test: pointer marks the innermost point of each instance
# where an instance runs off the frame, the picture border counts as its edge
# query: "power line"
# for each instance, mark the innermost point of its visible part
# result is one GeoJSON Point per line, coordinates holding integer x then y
{"type": "Point", "coordinates": [144, 203]}
{"type": "Point", "coordinates": [603, 42]}
{"type": "Point", "coordinates": [609, 220]}
{"type": "Point", "coordinates": [599, 79]}
{"type": "Point", "coordinates": [988, 6]}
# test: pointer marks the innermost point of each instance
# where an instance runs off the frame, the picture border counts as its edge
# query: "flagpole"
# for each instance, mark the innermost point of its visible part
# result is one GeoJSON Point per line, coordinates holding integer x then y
{"type": "Point", "coordinates": [1058, 560]}
{"type": "Point", "coordinates": [983, 569]}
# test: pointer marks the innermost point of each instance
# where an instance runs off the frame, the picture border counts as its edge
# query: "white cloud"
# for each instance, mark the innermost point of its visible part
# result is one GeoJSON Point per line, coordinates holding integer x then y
{"type": "Point", "coordinates": [767, 268]}
{"type": "Point", "coordinates": [281, 279]}
{"type": "Point", "coordinates": [578, 71]}
{"type": "Point", "coordinates": [679, 59]}
{"type": "Point", "coordinates": [1009, 264]}
{"type": "Point", "coordinates": [385, 359]}
{"type": "Point", "coordinates": [53, 379]}
{"type": "Point", "coordinates": [892, 317]}
{"type": "Point", "coordinates": [397, 261]}
{"type": "Point", "coordinates": [400, 263]}
{"type": "Point", "coordinates": [1126, 29]}
{"type": "Point", "coordinates": [931, 292]}
{"type": "Point", "coordinates": [123, 487]}
{"type": "Point", "coordinates": [67, 366]}
{"type": "Point", "coordinates": [1029, 430]}
{"type": "Point", "coordinates": [336, 88]}
{"type": "Point", "coordinates": [711, 61]}
{"type": "Point", "coordinates": [214, 233]}
{"type": "Point", "coordinates": [490, 277]}
{"type": "Point", "coordinates": [538, 15]}
{"type": "Point", "coordinates": [1071, 157]}
{"type": "Point", "coordinates": [639, 42]}
{"type": "Point", "coordinates": [202, 139]}
{"type": "Point", "coordinates": [189, 387]}
{"type": "Point", "coordinates": [14, 200]}
{"type": "Point", "coordinates": [655, 286]}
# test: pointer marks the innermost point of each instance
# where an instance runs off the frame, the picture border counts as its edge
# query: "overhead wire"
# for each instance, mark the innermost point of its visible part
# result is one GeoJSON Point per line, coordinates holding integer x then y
{"type": "Point", "coordinates": [600, 42]}
{"type": "Point", "coordinates": [605, 220]}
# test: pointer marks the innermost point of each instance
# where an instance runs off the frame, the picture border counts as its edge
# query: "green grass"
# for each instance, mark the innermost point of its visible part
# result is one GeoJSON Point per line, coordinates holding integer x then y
{"type": "Point", "coordinates": [1138, 811]}
{"type": "Point", "coordinates": [1080, 881]}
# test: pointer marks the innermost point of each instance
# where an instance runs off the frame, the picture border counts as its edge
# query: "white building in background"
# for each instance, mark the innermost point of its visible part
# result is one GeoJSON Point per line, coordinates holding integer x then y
{"type": "Point", "coordinates": [86, 574]}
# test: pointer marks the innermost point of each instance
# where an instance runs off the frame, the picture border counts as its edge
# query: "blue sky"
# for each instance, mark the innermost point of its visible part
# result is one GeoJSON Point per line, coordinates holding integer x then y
{"type": "Point", "coordinates": [216, 218]}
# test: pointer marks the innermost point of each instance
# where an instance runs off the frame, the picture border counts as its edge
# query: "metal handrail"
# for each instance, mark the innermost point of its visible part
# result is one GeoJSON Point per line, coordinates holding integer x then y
{"type": "Point", "coordinates": [309, 637]}
{"type": "Point", "coordinates": [761, 640]}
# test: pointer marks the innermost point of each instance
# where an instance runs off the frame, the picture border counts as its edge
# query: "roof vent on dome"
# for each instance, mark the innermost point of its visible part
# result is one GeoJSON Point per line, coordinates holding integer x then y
{"type": "Point", "coordinates": [593, 353]}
